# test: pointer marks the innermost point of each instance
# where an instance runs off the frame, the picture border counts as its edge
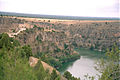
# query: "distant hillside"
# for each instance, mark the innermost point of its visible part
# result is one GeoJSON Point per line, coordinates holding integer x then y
{"type": "Point", "coordinates": [54, 40]}
{"type": "Point", "coordinates": [49, 44]}
{"type": "Point", "coordinates": [57, 16]}
{"type": "Point", "coordinates": [51, 40]}
{"type": "Point", "coordinates": [91, 34]}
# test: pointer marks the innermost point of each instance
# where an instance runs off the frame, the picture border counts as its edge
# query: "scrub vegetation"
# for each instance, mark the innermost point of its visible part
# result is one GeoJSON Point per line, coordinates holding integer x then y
{"type": "Point", "coordinates": [54, 42]}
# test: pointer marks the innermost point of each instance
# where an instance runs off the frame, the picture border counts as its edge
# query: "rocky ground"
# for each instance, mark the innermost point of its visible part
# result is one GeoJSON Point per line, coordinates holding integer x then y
{"type": "Point", "coordinates": [54, 33]}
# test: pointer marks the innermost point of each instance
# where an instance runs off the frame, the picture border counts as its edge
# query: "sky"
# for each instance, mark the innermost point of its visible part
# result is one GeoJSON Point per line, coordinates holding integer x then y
{"type": "Point", "coordinates": [85, 8]}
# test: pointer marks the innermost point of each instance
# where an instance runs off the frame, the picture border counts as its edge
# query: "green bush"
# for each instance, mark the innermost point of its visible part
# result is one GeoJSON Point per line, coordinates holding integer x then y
{"type": "Point", "coordinates": [69, 76]}
{"type": "Point", "coordinates": [53, 75]}
{"type": "Point", "coordinates": [14, 63]}
{"type": "Point", "coordinates": [35, 26]}
{"type": "Point", "coordinates": [27, 51]}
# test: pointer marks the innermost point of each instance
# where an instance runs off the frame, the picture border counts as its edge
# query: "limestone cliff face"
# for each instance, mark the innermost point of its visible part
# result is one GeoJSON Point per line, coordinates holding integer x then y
{"type": "Point", "coordinates": [88, 34]}
{"type": "Point", "coordinates": [43, 38]}
{"type": "Point", "coordinates": [33, 61]}
{"type": "Point", "coordinates": [52, 42]}
{"type": "Point", "coordinates": [59, 38]}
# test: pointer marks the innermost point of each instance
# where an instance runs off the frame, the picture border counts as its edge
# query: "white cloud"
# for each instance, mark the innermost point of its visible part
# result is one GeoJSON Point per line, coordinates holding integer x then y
{"type": "Point", "coordinates": [98, 8]}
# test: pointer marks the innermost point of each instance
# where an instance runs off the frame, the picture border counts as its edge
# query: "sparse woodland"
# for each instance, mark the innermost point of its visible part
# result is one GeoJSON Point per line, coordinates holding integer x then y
{"type": "Point", "coordinates": [54, 44]}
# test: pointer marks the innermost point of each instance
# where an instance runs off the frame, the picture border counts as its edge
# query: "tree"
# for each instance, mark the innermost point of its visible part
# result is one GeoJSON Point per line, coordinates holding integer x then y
{"type": "Point", "coordinates": [5, 41]}
{"type": "Point", "coordinates": [13, 67]}
{"type": "Point", "coordinates": [14, 63]}
{"type": "Point", "coordinates": [69, 76]}
{"type": "Point", "coordinates": [110, 67]}
{"type": "Point", "coordinates": [53, 75]}
{"type": "Point", "coordinates": [16, 43]}
{"type": "Point", "coordinates": [39, 71]}
{"type": "Point", "coordinates": [2, 53]}
{"type": "Point", "coordinates": [35, 26]}
{"type": "Point", "coordinates": [28, 51]}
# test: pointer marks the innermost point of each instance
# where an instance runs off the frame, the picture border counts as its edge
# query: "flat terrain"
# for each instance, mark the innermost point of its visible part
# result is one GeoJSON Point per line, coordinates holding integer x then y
{"type": "Point", "coordinates": [62, 21]}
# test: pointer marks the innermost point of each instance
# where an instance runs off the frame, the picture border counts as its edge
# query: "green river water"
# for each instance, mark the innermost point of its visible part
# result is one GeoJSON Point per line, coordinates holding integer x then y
{"type": "Point", "coordinates": [84, 65]}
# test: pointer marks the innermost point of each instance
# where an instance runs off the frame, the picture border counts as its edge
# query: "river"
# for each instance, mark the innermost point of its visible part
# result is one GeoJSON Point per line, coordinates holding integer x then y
{"type": "Point", "coordinates": [85, 65]}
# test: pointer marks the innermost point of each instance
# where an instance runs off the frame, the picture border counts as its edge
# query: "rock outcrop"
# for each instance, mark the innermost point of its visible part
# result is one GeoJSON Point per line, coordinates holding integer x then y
{"type": "Point", "coordinates": [33, 61]}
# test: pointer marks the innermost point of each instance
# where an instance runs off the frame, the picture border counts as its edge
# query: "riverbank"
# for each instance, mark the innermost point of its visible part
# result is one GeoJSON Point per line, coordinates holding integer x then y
{"type": "Point", "coordinates": [94, 53]}
{"type": "Point", "coordinates": [61, 61]}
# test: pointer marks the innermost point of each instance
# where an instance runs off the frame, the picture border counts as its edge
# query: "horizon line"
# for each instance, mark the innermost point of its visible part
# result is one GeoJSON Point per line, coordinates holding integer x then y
{"type": "Point", "coordinates": [58, 15]}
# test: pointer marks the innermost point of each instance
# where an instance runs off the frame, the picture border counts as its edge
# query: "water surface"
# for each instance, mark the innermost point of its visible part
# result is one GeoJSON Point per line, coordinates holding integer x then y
{"type": "Point", "coordinates": [85, 65]}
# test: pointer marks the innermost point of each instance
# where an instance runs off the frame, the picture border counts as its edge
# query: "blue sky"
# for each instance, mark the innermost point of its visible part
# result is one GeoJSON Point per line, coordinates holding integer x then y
{"type": "Point", "coordinates": [91, 8]}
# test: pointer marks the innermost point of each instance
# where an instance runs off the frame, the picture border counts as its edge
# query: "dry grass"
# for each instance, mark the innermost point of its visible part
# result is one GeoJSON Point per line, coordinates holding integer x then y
{"type": "Point", "coordinates": [63, 21]}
